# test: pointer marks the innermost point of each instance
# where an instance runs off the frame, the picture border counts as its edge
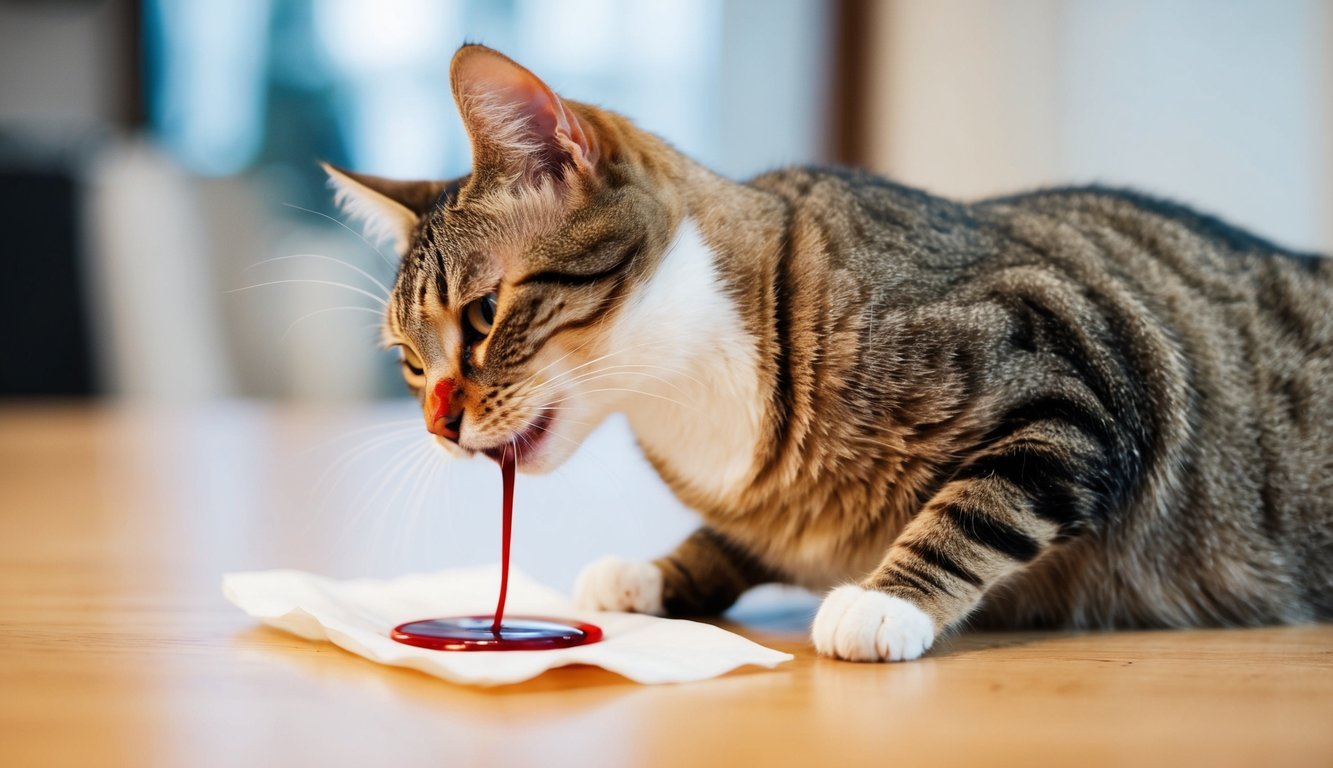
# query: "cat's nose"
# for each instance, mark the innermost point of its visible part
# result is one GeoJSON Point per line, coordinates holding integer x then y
{"type": "Point", "coordinates": [444, 414]}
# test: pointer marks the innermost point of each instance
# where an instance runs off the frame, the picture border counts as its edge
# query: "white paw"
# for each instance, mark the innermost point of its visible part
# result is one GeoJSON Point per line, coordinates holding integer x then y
{"type": "Point", "coordinates": [863, 625]}
{"type": "Point", "coordinates": [616, 584]}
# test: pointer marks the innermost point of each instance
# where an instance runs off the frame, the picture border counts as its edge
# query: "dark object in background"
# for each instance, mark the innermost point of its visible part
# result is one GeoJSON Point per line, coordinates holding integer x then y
{"type": "Point", "coordinates": [71, 76]}
{"type": "Point", "coordinates": [45, 350]}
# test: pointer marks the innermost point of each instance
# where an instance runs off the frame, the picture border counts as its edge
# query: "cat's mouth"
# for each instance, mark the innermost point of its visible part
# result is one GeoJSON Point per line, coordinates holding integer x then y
{"type": "Point", "coordinates": [528, 441]}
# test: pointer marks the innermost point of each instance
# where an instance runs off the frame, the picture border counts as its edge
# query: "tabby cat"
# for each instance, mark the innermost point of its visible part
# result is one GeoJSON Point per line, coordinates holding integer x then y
{"type": "Point", "coordinates": [1071, 408]}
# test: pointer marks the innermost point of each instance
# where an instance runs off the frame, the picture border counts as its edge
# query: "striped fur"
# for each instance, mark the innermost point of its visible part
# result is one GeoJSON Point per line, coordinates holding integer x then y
{"type": "Point", "coordinates": [1076, 408]}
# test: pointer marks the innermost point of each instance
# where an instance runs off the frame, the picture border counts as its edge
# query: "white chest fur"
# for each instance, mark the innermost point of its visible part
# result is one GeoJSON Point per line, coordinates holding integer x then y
{"type": "Point", "coordinates": [699, 409]}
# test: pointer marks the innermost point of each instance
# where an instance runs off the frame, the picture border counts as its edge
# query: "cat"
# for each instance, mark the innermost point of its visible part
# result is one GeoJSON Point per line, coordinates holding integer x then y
{"type": "Point", "coordinates": [1078, 408]}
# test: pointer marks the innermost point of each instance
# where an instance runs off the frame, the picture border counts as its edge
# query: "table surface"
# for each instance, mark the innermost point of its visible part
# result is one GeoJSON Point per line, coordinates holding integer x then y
{"type": "Point", "coordinates": [116, 647]}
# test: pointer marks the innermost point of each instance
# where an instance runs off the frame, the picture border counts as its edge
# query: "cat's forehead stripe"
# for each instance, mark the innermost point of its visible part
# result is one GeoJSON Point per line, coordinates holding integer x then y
{"type": "Point", "coordinates": [423, 286]}
{"type": "Point", "coordinates": [404, 307]}
{"type": "Point", "coordinates": [441, 286]}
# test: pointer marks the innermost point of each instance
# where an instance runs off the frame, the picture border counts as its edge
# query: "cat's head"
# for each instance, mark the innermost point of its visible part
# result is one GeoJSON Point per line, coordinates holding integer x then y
{"type": "Point", "coordinates": [512, 278]}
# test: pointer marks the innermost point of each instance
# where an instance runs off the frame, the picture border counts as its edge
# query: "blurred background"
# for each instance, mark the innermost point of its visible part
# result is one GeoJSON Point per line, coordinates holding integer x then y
{"type": "Point", "coordinates": [169, 239]}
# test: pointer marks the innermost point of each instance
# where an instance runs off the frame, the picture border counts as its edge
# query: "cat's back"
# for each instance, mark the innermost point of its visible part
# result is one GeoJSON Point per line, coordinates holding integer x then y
{"type": "Point", "coordinates": [1220, 291]}
{"type": "Point", "coordinates": [1116, 223]}
{"type": "Point", "coordinates": [1223, 339]}
{"type": "Point", "coordinates": [925, 247]}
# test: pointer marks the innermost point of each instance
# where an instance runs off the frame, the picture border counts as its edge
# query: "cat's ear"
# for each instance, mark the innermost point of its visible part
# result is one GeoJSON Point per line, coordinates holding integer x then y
{"type": "Point", "coordinates": [516, 123]}
{"type": "Point", "coordinates": [387, 209]}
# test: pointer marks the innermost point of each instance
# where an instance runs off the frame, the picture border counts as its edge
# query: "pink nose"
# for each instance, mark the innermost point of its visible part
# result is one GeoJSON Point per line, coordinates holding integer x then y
{"type": "Point", "coordinates": [437, 408]}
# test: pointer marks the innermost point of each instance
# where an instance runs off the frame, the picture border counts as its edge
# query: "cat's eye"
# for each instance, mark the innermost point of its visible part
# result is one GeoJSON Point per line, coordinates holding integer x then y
{"type": "Point", "coordinates": [411, 363]}
{"type": "Point", "coordinates": [480, 314]}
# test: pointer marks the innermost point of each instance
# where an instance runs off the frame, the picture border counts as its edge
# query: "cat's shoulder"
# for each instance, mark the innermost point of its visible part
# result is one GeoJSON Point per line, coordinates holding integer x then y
{"type": "Point", "coordinates": [807, 180]}
{"type": "Point", "coordinates": [863, 194]}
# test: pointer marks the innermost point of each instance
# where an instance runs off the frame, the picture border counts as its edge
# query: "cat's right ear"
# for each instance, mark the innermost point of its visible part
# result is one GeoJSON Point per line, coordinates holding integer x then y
{"type": "Point", "coordinates": [517, 125]}
{"type": "Point", "coordinates": [387, 209]}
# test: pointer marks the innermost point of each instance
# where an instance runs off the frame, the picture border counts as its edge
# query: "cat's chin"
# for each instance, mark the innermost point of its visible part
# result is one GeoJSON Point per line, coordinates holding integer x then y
{"type": "Point", "coordinates": [533, 452]}
{"type": "Point", "coordinates": [450, 448]}
{"type": "Point", "coordinates": [538, 461]}
{"type": "Point", "coordinates": [536, 457]}
{"type": "Point", "coordinates": [531, 463]}
{"type": "Point", "coordinates": [546, 444]}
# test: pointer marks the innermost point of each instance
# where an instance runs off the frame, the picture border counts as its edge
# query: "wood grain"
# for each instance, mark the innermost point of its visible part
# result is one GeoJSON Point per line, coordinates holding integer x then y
{"type": "Point", "coordinates": [116, 648]}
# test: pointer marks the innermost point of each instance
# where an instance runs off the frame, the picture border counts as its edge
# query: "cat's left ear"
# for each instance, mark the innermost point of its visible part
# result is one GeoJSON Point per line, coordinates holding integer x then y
{"type": "Point", "coordinates": [516, 123]}
{"type": "Point", "coordinates": [387, 209]}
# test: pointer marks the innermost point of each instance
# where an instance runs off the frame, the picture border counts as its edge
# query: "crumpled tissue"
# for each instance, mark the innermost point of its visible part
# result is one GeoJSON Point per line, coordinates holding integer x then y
{"type": "Point", "coordinates": [358, 615]}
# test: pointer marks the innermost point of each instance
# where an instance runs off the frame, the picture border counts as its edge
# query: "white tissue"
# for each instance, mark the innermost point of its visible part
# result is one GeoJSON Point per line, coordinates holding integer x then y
{"type": "Point", "coordinates": [358, 615]}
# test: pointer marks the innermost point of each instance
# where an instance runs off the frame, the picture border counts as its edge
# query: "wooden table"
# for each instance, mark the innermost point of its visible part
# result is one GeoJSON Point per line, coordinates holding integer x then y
{"type": "Point", "coordinates": [116, 647]}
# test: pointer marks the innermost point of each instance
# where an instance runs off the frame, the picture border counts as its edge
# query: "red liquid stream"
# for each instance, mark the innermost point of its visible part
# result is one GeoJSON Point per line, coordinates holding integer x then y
{"type": "Point", "coordinates": [507, 479]}
{"type": "Point", "coordinates": [519, 633]}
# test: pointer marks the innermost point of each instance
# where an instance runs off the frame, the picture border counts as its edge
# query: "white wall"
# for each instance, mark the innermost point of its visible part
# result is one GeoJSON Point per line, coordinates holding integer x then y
{"type": "Point", "coordinates": [772, 95]}
{"type": "Point", "coordinates": [1222, 105]}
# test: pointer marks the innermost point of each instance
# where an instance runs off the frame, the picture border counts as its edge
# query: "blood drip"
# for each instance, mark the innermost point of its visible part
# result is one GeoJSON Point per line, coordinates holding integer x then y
{"type": "Point", "coordinates": [498, 633]}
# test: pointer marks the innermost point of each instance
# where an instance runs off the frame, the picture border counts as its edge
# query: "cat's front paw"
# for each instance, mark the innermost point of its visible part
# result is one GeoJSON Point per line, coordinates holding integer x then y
{"type": "Point", "coordinates": [864, 625]}
{"type": "Point", "coordinates": [616, 584]}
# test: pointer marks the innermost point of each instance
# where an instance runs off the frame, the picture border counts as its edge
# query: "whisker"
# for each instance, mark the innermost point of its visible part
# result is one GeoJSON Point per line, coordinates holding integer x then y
{"type": "Point", "coordinates": [612, 353]}
{"type": "Point", "coordinates": [557, 435]}
{"type": "Point", "coordinates": [617, 367]}
{"type": "Point", "coordinates": [334, 283]}
{"type": "Point", "coordinates": [415, 503]}
{"type": "Point", "coordinates": [632, 392]}
{"type": "Point", "coordinates": [323, 495]}
{"type": "Point", "coordinates": [563, 408]}
{"type": "Point", "coordinates": [361, 430]}
{"type": "Point", "coordinates": [342, 224]}
{"type": "Point", "coordinates": [402, 427]}
{"type": "Point", "coordinates": [539, 371]}
{"type": "Point", "coordinates": [533, 424]}
{"type": "Point", "coordinates": [665, 368]}
{"type": "Point", "coordinates": [356, 450]}
{"type": "Point", "coordinates": [610, 373]}
{"type": "Point", "coordinates": [309, 315]}
{"type": "Point", "coordinates": [387, 515]}
{"type": "Point", "coordinates": [557, 380]}
{"type": "Point", "coordinates": [403, 465]}
{"type": "Point", "coordinates": [321, 256]}
{"type": "Point", "coordinates": [356, 454]}
{"type": "Point", "coordinates": [578, 348]}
